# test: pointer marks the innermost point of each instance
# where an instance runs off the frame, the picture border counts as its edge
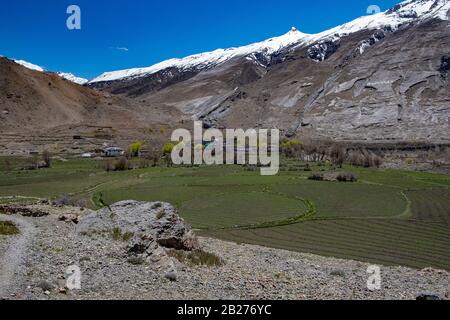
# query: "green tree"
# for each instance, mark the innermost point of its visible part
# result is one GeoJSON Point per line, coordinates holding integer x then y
{"type": "Point", "coordinates": [167, 151]}
{"type": "Point", "coordinates": [168, 147]}
{"type": "Point", "coordinates": [135, 149]}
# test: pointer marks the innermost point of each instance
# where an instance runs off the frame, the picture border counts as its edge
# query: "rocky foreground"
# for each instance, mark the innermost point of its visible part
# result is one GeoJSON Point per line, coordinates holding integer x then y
{"type": "Point", "coordinates": [130, 250]}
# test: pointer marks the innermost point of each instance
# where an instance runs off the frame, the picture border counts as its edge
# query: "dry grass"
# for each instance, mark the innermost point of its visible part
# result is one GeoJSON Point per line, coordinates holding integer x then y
{"type": "Point", "coordinates": [197, 258]}
{"type": "Point", "coordinates": [8, 228]}
{"type": "Point", "coordinates": [118, 235]}
{"type": "Point", "coordinates": [136, 260]}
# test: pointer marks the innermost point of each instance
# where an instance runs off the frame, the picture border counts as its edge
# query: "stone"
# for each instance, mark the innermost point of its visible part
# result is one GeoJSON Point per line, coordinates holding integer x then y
{"type": "Point", "coordinates": [45, 285]}
{"type": "Point", "coordinates": [171, 276]}
{"type": "Point", "coordinates": [145, 220]}
{"type": "Point", "coordinates": [155, 226]}
{"type": "Point", "coordinates": [338, 273]}
{"type": "Point", "coordinates": [428, 296]}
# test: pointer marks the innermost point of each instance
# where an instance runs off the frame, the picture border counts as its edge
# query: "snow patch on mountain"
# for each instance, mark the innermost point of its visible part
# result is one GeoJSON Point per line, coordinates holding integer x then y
{"type": "Point", "coordinates": [68, 76]}
{"type": "Point", "coordinates": [405, 12]}
{"type": "Point", "coordinates": [376, 37]}
{"type": "Point", "coordinates": [29, 65]}
{"type": "Point", "coordinates": [72, 77]}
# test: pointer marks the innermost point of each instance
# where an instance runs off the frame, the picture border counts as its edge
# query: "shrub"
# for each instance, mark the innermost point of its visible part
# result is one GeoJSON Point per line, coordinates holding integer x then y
{"type": "Point", "coordinates": [153, 157]}
{"type": "Point", "coordinates": [316, 177]}
{"type": "Point", "coordinates": [197, 258]}
{"type": "Point", "coordinates": [167, 148]}
{"type": "Point", "coordinates": [8, 228]}
{"type": "Point", "coordinates": [144, 163]}
{"type": "Point", "coordinates": [121, 164]}
{"type": "Point", "coordinates": [81, 203]}
{"type": "Point", "coordinates": [136, 260]}
{"type": "Point", "coordinates": [346, 177]}
{"type": "Point", "coordinates": [161, 213]}
{"type": "Point", "coordinates": [65, 200]}
{"type": "Point", "coordinates": [107, 165]}
{"type": "Point", "coordinates": [118, 235]}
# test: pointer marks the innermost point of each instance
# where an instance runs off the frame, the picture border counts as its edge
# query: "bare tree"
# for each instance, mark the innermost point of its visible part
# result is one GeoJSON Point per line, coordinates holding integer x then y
{"type": "Point", "coordinates": [337, 155]}
{"type": "Point", "coordinates": [47, 159]}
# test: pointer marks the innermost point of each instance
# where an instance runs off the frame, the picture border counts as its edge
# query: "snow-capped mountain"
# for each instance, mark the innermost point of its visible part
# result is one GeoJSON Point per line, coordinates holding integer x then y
{"type": "Point", "coordinates": [68, 76]}
{"type": "Point", "coordinates": [72, 77]}
{"type": "Point", "coordinates": [209, 59]}
{"type": "Point", "coordinates": [404, 13]}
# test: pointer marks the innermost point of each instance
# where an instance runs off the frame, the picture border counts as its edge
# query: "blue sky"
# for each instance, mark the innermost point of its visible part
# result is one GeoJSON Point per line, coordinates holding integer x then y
{"type": "Point", "coordinates": [153, 31]}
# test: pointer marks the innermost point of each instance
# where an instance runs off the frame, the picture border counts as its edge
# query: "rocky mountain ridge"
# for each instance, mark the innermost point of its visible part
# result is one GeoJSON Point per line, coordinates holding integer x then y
{"type": "Point", "coordinates": [378, 78]}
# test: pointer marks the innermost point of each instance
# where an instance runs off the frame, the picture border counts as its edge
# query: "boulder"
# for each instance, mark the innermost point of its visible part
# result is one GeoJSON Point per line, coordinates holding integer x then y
{"type": "Point", "coordinates": [153, 253]}
{"type": "Point", "coordinates": [152, 221]}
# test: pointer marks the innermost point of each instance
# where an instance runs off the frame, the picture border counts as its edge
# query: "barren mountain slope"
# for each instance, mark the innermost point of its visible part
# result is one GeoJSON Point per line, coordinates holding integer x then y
{"type": "Point", "coordinates": [40, 108]}
{"type": "Point", "coordinates": [398, 89]}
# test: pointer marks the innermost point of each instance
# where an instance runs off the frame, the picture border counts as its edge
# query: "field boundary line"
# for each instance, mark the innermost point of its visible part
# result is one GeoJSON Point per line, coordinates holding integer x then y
{"type": "Point", "coordinates": [310, 212]}
{"type": "Point", "coordinates": [407, 213]}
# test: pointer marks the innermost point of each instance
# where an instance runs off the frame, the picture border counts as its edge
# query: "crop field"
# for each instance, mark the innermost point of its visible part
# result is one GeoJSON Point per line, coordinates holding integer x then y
{"type": "Point", "coordinates": [389, 217]}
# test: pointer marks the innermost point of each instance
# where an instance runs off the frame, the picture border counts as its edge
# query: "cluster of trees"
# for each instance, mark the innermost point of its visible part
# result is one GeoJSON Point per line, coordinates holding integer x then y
{"type": "Point", "coordinates": [336, 153]}
{"type": "Point", "coordinates": [134, 158]}
{"type": "Point", "coordinates": [37, 161]}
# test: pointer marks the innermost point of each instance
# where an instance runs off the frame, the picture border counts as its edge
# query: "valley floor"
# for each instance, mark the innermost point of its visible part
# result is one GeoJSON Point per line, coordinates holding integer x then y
{"type": "Point", "coordinates": [388, 217]}
{"type": "Point", "coordinates": [36, 269]}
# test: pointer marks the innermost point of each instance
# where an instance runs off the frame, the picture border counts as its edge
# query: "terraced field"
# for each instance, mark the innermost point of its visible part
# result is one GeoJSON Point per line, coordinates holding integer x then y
{"type": "Point", "coordinates": [431, 205]}
{"type": "Point", "coordinates": [388, 241]}
{"type": "Point", "coordinates": [387, 217]}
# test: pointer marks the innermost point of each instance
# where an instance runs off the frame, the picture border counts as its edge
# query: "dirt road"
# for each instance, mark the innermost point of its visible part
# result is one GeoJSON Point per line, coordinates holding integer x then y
{"type": "Point", "coordinates": [13, 253]}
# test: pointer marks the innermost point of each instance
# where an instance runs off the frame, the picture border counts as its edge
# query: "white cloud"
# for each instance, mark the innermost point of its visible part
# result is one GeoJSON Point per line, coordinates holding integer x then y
{"type": "Point", "coordinates": [122, 49]}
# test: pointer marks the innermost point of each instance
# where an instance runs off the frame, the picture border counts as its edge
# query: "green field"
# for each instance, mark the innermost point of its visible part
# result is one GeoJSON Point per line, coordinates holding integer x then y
{"type": "Point", "coordinates": [388, 217]}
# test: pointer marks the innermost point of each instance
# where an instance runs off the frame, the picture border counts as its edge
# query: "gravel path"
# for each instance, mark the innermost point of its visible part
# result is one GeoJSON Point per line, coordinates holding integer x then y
{"type": "Point", "coordinates": [249, 272]}
{"type": "Point", "coordinates": [13, 251]}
